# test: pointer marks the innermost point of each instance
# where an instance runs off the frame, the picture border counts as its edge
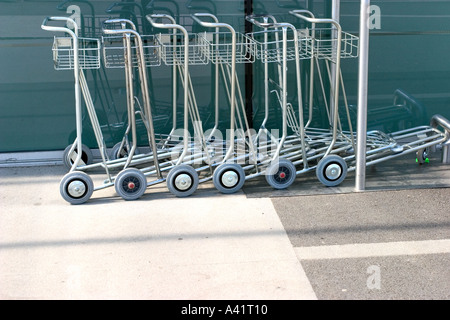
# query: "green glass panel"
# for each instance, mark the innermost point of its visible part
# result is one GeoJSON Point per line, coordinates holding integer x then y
{"type": "Point", "coordinates": [37, 102]}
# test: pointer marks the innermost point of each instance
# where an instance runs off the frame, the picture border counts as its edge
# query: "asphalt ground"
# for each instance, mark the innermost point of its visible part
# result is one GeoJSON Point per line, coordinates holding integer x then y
{"type": "Point", "coordinates": [390, 242]}
{"type": "Point", "coordinates": [399, 237]}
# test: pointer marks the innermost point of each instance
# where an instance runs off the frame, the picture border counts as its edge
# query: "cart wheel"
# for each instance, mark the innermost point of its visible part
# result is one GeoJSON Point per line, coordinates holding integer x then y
{"type": "Point", "coordinates": [86, 156]}
{"type": "Point", "coordinates": [331, 170]}
{"type": "Point", "coordinates": [281, 175]}
{"type": "Point", "coordinates": [76, 187]}
{"type": "Point", "coordinates": [422, 156]}
{"type": "Point", "coordinates": [182, 180]}
{"type": "Point", "coordinates": [130, 184]}
{"type": "Point", "coordinates": [117, 153]}
{"type": "Point", "coordinates": [229, 178]}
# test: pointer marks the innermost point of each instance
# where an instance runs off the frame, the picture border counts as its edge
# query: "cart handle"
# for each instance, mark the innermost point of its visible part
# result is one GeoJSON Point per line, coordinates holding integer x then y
{"type": "Point", "coordinates": [266, 25]}
{"type": "Point", "coordinates": [263, 25]}
{"type": "Point", "coordinates": [172, 25]}
{"type": "Point", "coordinates": [121, 31]}
{"type": "Point", "coordinates": [301, 12]}
{"type": "Point", "coordinates": [123, 22]}
{"type": "Point", "coordinates": [215, 24]}
{"type": "Point", "coordinates": [402, 98]}
{"type": "Point", "coordinates": [438, 120]}
{"type": "Point", "coordinates": [252, 18]}
{"type": "Point", "coordinates": [312, 19]}
{"type": "Point", "coordinates": [44, 25]}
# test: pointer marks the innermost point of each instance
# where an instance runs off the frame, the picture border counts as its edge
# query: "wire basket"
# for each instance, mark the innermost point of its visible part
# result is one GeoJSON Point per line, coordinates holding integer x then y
{"type": "Point", "coordinates": [218, 46]}
{"type": "Point", "coordinates": [114, 48]}
{"type": "Point", "coordinates": [323, 41]}
{"type": "Point", "coordinates": [269, 46]}
{"type": "Point", "coordinates": [88, 53]}
{"type": "Point", "coordinates": [173, 50]}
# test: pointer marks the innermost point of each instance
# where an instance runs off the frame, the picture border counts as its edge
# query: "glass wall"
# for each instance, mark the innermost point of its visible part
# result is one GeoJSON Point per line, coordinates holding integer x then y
{"type": "Point", "coordinates": [409, 73]}
{"type": "Point", "coordinates": [409, 77]}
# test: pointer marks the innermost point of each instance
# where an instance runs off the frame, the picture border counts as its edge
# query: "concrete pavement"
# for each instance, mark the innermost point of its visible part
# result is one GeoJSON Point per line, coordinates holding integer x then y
{"type": "Point", "coordinates": [208, 246]}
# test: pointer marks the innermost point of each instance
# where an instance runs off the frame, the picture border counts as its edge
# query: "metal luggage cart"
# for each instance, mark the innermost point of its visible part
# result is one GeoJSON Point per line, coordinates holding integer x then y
{"type": "Point", "coordinates": [280, 43]}
{"type": "Point", "coordinates": [330, 152]}
{"type": "Point", "coordinates": [182, 178]}
{"type": "Point", "coordinates": [77, 53]}
{"type": "Point", "coordinates": [67, 57]}
{"type": "Point", "coordinates": [76, 187]}
{"type": "Point", "coordinates": [191, 162]}
{"type": "Point", "coordinates": [131, 51]}
{"type": "Point", "coordinates": [225, 48]}
{"type": "Point", "coordinates": [337, 157]}
{"type": "Point", "coordinates": [89, 25]}
{"type": "Point", "coordinates": [255, 157]}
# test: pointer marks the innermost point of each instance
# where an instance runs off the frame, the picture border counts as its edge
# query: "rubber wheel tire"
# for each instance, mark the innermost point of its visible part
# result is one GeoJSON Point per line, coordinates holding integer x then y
{"type": "Point", "coordinates": [236, 172]}
{"type": "Point", "coordinates": [130, 184]}
{"type": "Point", "coordinates": [86, 156]}
{"type": "Point", "coordinates": [331, 170]}
{"type": "Point", "coordinates": [114, 154]}
{"type": "Point", "coordinates": [281, 175]}
{"type": "Point", "coordinates": [180, 175]}
{"type": "Point", "coordinates": [422, 156]}
{"type": "Point", "coordinates": [76, 187]}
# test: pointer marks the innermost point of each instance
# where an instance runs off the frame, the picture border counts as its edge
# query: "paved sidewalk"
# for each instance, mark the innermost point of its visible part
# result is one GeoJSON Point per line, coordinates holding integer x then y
{"type": "Point", "coordinates": [208, 246]}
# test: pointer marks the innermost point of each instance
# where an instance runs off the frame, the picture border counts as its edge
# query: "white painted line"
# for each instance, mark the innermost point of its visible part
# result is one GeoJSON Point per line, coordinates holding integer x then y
{"type": "Point", "coordinates": [365, 250]}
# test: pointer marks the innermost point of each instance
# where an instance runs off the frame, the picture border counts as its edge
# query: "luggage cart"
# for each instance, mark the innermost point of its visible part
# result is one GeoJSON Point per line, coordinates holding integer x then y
{"type": "Point", "coordinates": [78, 54]}
{"type": "Point", "coordinates": [266, 157]}
{"type": "Point", "coordinates": [76, 187]}
{"type": "Point", "coordinates": [331, 45]}
{"type": "Point", "coordinates": [192, 156]}
{"type": "Point", "coordinates": [182, 179]}
{"type": "Point", "coordinates": [74, 53]}
{"type": "Point", "coordinates": [90, 26]}
{"type": "Point", "coordinates": [224, 48]}
{"type": "Point", "coordinates": [131, 51]}
{"type": "Point", "coordinates": [88, 58]}
{"type": "Point", "coordinates": [278, 43]}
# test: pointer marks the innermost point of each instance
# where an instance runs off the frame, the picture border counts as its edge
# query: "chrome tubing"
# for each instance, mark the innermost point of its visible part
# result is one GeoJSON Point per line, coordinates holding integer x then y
{"type": "Point", "coordinates": [78, 112]}
{"type": "Point", "coordinates": [145, 93]}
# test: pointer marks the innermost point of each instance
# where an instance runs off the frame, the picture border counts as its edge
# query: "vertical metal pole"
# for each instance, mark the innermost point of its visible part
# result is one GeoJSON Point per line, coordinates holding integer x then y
{"type": "Point", "coordinates": [335, 15]}
{"type": "Point", "coordinates": [360, 183]}
{"type": "Point", "coordinates": [336, 10]}
{"type": "Point", "coordinates": [248, 69]}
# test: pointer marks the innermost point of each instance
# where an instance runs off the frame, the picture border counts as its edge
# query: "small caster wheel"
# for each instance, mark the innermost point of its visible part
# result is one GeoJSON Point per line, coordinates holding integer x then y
{"type": "Point", "coordinates": [422, 156]}
{"type": "Point", "coordinates": [229, 178]}
{"type": "Point", "coordinates": [69, 159]}
{"type": "Point", "coordinates": [331, 170]}
{"type": "Point", "coordinates": [182, 181]}
{"type": "Point", "coordinates": [281, 175]}
{"type": "Point", "coordinates": [76, 187]}
{"type": "Point", "coordinates": [120, 153]}
{"type": "Point", "coordinates": [130, 184]}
